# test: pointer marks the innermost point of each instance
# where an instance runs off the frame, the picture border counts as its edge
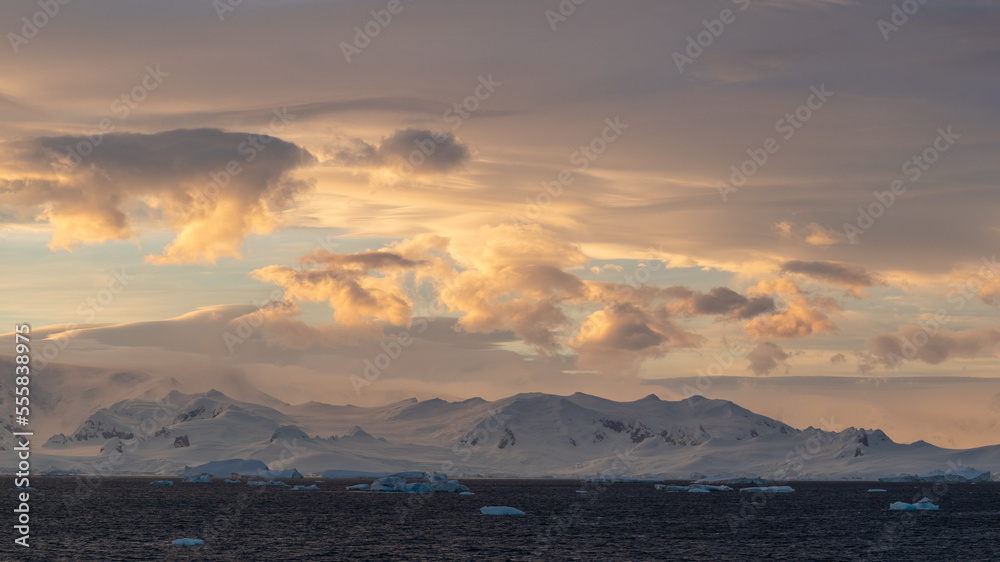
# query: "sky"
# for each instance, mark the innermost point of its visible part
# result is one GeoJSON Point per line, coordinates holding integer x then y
{"type": "Point", "coordinates": [364, 201]}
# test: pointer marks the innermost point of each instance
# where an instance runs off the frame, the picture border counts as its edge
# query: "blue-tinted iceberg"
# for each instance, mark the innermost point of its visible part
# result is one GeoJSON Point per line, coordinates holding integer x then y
{"type": "Point", "coordinates": [198, 478]}
{"type": "Point", "coordinates": [500, 510]}
{"type": "Point", "coordinates": [924, 504]}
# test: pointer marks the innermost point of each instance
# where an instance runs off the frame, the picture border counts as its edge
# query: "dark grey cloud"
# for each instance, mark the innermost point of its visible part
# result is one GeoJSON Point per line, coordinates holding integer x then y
{"type": "Point", "coordinates": [720, 301]}
{"type": "Point", "coordinates": [837, 273]}
{"type": "Point", "coordinates": [215, 187]}
{"type": "Point", "coordinates": [766, 357]}
{"type": "Point", "coordinates": [409, 151]}
{"type": "Point", "coordinates": [378, 260]}
{"type": "Point", "coordinates": [932, 347]}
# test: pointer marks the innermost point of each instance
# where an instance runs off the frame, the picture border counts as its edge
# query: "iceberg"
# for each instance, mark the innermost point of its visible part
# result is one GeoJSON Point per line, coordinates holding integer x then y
{"type": "Point", "coordinates": [741, 481]}
{"type": "Point", "coordinates": [161, 483]}
{"type": "Point", "coordinates": [581, 491]}
{"type": "Point", "coordinates": [769, 489]}
{"type": "Point", "coordinates": [877, 490]}
{"type": "Point", "coordinates": [302, 488]}
{"type": "Point", "coordinates": [418, 488]}
{"type": "Point", "coordinates": [267, 483]}
{"type": "Point", "coordinates": [692, 488]}
{"type": "Point", "coordinates": [198, 479]}
{"type": "Point", "coordinates": [500, 510]}
{"type": "Point", "coordinates": [670, 488]}
{"type": "Point", "coordinates": [229, 481]}
{"type": "Point", "coordinates": [466, 493]}
{"type": "Point", "coordinates": [433, 482]}
{"type": "Point", "coordinates": [924, 504]}
{"type": "Point", "coordinates": [413, 475]}
{"type": "Point", "coordinates": [389, 484]}
{"type": "Point", "coordinates": [359, 488]}
{"type": "Point", "coordinates": [188, 542]}
{"type": "Point", "coordinates": [710, 488]}
{"type": "Point", "coordinates": [699, 490]}
{"type": "Point", "coordinates": [450, 486]}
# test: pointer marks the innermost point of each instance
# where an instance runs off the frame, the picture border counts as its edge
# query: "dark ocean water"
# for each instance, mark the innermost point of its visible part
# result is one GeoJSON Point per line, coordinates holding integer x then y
{"type": "Point", "coordinates": [127, 519]}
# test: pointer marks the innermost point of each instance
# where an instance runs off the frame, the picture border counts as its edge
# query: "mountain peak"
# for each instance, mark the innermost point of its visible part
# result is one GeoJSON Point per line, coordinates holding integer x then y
{"type": "Point", "coordinates": [358, 433]}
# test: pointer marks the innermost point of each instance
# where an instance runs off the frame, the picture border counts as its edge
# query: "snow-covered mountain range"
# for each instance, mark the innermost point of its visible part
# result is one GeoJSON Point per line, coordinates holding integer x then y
{"type": "Point", "coordinates": [527, 435]}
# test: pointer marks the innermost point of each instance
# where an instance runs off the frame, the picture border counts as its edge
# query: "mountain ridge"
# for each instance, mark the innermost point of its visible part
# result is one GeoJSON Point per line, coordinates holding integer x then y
{"type": "Point", "coordinates": [525, 435]}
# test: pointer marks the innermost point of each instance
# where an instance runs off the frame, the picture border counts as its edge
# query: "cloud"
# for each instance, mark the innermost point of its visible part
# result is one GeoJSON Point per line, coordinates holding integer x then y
{"type": "Point", "coordinates": [720, 301]}
{"type": "Point", "coordinates": [767, 357]}
{"type": "Point", "coordinates": [346, 283]}
{"type": "Point", "coordinates": [618, 338]}
{"type": "Point", "coordinates": [509, 278]}
{"type": "Point", "coordinates": [212, 188]}
{"type": "Point", "coordinates": [803, 315]}
{"type": "Point", "coordinates": [818, 235]}
{"type": "Point", "coordinates": [513, 277]}
{"type": "Point", "coordinates": [838, 359]}
{"type": "Point", "coordinates": [984, 282]}
{"type": "Point", "coordinates": [406, 152]}
{"type": "Point", "coordinates": [933, 347]}
{"type": "Point", "coordinates": [836, 273]}
{"type": "Point", "coordinates": [365, 261]}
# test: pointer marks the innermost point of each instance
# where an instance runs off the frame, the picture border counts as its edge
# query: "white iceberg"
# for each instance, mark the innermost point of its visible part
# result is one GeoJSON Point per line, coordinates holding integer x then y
{"type": "Point", "coordinates": [359, 488]}
{"type": "Point", "coordinates": [466, 493]}
{"type": "Point", "coordinates": [389, 484]}
{"type": "Point", "coordinates": [413, 475]}
{"type": "Point", "coordinates": [228, 481]}
{"type": "Point", "coordinates": [742, 480]}
{"type": "Point", "coordinates": [451, 486]}
{"type": "Point", "coordinates": [769, 489]}
{"type": "Point", "coordinates": [433, 482]}
{"type": "Point", "coordinates": [670, 488]}
{"type": "Point", "coordinates": [500, 510]}
{"type": "Point", "coordinates": [188, 542]}
{"type": "Point", "coordinates": [924, 504]}
{"type": "Point", "coordinates": [581, 491]}
{"type": "Point", "coordinates": [161, 483]}
{"type": "Point", "coordinates": [303, 488]}
{"type": "Point", "coordinates": [418, 488]}
{"type": "Point", "coordinates": [710, 488]}
{"type": "Point", "coordinates": [877, 490]}
{"type": "Point", "coordinates": [198, 478]}
{"type": "Point", "coordinates": [699, 490]}
{"type": "Point", "coordinates": [267, 483]}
